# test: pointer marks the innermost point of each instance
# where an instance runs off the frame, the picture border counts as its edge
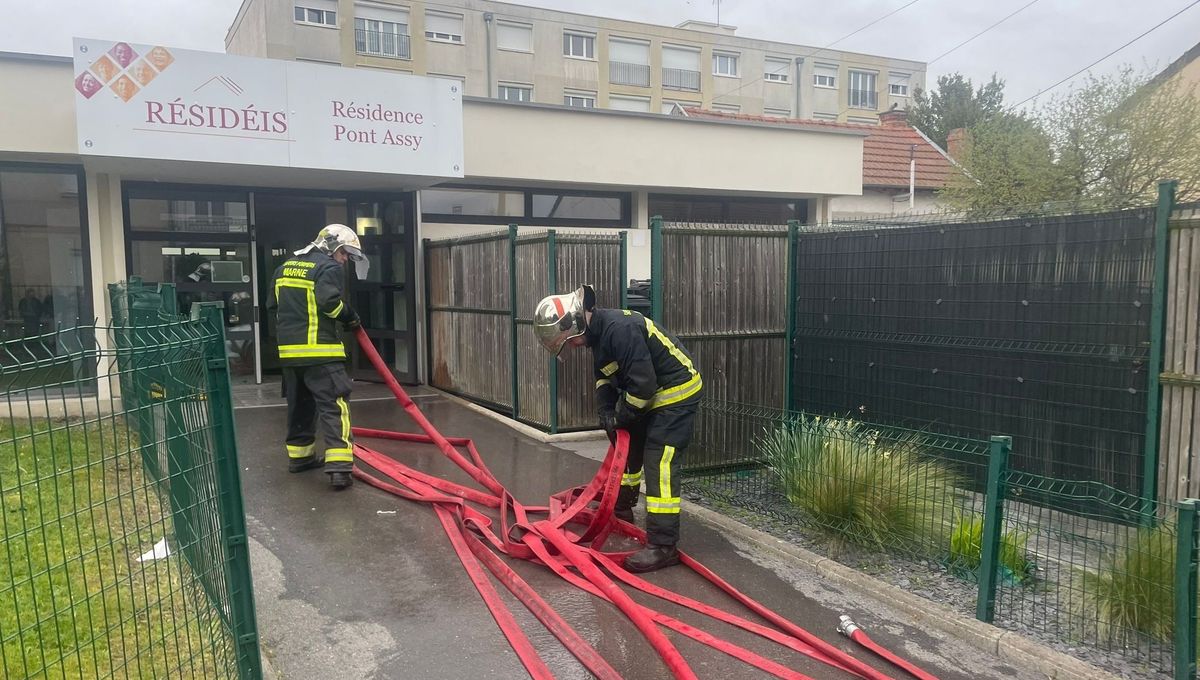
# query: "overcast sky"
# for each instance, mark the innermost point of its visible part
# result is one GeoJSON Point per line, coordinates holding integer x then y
{"type": "Point", "coordinates": [1032, 50]}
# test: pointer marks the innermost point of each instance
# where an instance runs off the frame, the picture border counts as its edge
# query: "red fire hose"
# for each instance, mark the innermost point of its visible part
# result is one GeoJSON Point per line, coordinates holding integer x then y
{"type": "Point", "coordinates": [854, 632]}
{"type": "Point", "coordinates": [567, 536]}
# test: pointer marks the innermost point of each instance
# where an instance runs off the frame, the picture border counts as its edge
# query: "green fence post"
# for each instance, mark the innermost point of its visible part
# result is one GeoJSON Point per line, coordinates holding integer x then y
{"type": "Point", "coordinates": [993, 524]}
{"type": "Point", "coordinates": [1186, 554]}
{"type": "Point", "coordinates": [512, 319]}
{"type": "Point", "coordinates": [1162, 236]}
{"type": "Point", "coordinates": [428, 313]}
{"type": "Point", "coordinates": [624, 270]}
{"type": "Point", "coordinates": [793, 241]}
{"type": "Point", "coordinates": [552, 285]}
{"type": "Point", "coordinates": [232, 518]}
{"type": "Point", "coordinates": [656, 267]}
{"type": "Point", "coordinates": [179, 459]}
{"type": "Point", "coordinates": [145, 373]}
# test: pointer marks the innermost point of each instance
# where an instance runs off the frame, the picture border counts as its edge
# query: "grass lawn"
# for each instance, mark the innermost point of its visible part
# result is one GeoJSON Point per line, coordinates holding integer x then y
{"type": "Point", "coordinates": [75, 513]}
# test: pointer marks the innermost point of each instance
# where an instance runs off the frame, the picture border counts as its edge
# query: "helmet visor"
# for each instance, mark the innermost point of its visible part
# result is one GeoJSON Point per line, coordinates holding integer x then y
{"type": "Point", "coordinates": [361, 264]}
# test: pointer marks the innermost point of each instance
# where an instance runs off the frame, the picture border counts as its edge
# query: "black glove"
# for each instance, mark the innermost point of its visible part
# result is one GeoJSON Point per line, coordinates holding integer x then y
{"type": "Point", "coordinates": [351, 319]}
{"type": "Point", "coordinates": [608, 423]}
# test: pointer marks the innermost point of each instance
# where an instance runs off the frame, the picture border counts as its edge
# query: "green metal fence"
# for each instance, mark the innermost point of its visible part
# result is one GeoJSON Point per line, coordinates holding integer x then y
{"type": "Point", "coordinates": [123, 551]}
{"type": "Point", "coordinates": [949, 517]}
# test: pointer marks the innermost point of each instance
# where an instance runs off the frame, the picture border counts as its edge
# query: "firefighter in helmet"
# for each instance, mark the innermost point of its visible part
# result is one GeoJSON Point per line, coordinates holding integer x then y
{"type": "Point", "coordinates": [647, 384]}
{"type": "Point", "coordinates": [307, 293]}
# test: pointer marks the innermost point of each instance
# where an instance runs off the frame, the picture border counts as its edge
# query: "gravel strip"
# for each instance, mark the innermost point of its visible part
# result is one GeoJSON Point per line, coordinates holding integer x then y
{"type": "Point", "coordinates": [1035, 611]}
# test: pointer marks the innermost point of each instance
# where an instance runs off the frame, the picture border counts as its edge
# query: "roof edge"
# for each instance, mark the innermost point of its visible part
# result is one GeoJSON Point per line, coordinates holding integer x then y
{"type": "Point", "coordinates": [822, 129]}
{"type": "Point", "coordinates": [29, 56]}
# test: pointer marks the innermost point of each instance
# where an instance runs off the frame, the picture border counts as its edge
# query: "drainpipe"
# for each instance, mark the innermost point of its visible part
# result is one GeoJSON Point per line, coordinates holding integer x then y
{"type": "Point", "coordinates": [799, 83]}
{"type": "Point", "coordinates": [487, 28]}
{"type": "Point", "coordinates": [912, 177]}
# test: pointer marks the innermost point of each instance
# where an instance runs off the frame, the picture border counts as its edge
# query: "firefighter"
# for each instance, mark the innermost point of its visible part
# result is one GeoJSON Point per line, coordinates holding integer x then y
{"type": "Point", "coordinates": [647, 384]}
{"type": "Point", "coordinates": [307, 294]}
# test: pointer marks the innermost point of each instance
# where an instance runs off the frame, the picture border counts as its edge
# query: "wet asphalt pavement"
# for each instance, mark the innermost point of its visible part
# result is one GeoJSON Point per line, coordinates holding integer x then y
{"type": "Point", "coordinates": [362, 584]}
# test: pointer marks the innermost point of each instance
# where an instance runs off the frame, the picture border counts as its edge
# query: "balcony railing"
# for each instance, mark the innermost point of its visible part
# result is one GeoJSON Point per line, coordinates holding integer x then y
{"type": "Point", "coordinates": [681, 79]}
{"type": "Point", "coordinates": [380, 44]}
{"type": "Point", "coordinates": [864, 99]}
{"type": "Point", "coordinates": [622, 73]}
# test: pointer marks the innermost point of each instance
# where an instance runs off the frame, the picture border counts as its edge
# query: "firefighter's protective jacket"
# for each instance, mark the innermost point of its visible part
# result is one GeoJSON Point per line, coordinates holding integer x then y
{"type": "Point", "coordinates": [307, 294]}
{"type": "Point", "coordinates": [639, 366]}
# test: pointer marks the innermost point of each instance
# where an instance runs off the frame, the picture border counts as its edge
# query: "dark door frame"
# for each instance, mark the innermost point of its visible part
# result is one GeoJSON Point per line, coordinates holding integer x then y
{"type": "Point", "coordinates": [251, 195]}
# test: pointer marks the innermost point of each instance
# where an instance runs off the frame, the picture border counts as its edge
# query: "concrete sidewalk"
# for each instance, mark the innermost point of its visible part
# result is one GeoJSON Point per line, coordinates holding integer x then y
{"type": "Point", "coordinates": [362, 584]}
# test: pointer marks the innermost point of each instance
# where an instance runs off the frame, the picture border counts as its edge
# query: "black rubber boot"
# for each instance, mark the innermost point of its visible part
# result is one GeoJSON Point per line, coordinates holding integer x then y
{"type": "Point", "coordinates": [627, 500]}
{"type": "Point", "coordinates": [340, 480]}
{"type": "Point", "coordinates": [303, 464]}
{"type": "Point", "coordinates": [651, 558]}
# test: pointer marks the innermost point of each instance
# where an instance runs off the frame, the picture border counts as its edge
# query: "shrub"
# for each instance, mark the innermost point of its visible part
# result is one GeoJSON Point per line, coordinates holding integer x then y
{"type": "Point", "coordinates": [966, 549]}
{"type": "Point", "coordinates": [1132, 591]}
{"type": "Point", "coordinates": [860, 487]}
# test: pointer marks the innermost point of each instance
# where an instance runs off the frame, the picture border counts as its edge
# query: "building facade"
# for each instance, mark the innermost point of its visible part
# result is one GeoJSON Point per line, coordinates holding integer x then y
{"type": "Point", "coordinates": [164, 166]}
{"type": "Point", "coordinates": [903, 170]}
{"type": "Point", "coordinates": [527, 54]}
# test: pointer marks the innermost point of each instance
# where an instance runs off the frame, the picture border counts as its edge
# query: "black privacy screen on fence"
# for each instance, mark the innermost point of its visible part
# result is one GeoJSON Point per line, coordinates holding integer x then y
{"type": "Point", "coordinates": [473, 324]}
{"type": "Point", "coordinates": [1037, 328]}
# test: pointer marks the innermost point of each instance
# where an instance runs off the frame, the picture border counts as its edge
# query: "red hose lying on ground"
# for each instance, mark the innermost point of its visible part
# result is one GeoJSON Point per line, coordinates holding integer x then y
{"type": "Point", "coordinates": [851, 630]}
{"type": "Point", "coordinates": [568, 538]}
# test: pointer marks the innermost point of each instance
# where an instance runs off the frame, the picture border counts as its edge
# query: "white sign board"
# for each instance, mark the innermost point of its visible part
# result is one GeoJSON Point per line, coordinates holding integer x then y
{"type": "Point", "coordinates": [149, 101]}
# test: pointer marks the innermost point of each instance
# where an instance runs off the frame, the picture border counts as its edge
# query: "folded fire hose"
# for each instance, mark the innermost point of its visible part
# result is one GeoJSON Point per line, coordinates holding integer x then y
{"type": "Point", "coordinates": [567, 536]}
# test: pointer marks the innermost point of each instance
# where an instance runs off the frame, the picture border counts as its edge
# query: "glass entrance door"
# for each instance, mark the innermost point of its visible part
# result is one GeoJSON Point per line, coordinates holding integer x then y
{"type": "Point", "coordinates": [199, 241]}
{"type": "Point", "coordinates": [386, 301]}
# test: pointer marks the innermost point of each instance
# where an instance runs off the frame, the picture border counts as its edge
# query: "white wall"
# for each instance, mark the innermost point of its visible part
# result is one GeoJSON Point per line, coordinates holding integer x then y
{"type": "Point", "coordinates": [597, 148]}
{"type": "Point", "coordinates": [875, 202]}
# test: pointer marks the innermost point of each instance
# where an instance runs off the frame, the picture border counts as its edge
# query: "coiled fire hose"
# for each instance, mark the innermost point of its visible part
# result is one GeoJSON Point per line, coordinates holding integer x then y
{"type": "Point", "coordinates": [567, 536]}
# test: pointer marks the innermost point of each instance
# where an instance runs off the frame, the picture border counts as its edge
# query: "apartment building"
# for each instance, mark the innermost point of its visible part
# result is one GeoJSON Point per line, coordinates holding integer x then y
{"type": "Point", "coordinates": [526, 54]}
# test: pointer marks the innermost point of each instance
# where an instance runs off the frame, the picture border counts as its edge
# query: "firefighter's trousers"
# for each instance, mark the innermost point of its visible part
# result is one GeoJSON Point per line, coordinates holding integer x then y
{"type": "Point", "coordinates": [319, 393]}
{"type": "Point", "coordinates": [656, 446]}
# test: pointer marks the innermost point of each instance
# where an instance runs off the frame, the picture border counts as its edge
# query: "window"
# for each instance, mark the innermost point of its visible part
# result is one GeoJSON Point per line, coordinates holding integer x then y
{"type": "Point", "coordinates": [727, 210]}
{"type": "Point", "coordinates": [629, 62]}
{"type": "Point", "coordinates": [514, 37]}
{"type": "Point", "coordinates": [188, 211]}
{"type": "Point", "coordinates": [621, 103]}
{"type": "Point", "coordinates": [473, 202]}
{"type": "Point", "coordinates": [444, 27]}
{"type": "Point", "coordinates": [579, 45]}
{"type": "Point", "coordinates": [516, 93]}
{"type": "Point", "coordinates": [862, 90]}
{"type": "Point", "coordinates": [579, 99]}
{"type": "Point", "coordinates": [825, 75]}
{"type": "Point", "coordinates": [536, 207]}
{"type": "Point", "coordinates": [43, 275]}
{"type": "Point", "coordinates": [318, 12]}
{"type": "Point", "coordinates": [725, 65]}
{"type": "Point", "coordinates": [859, 120]}
{"type": "Point", "coordinates": [681, 68]}
{"type": "Point", "coordinates": [669, 106]}
{"type": "Point", "coordinates": [898, 84]}
{"type": "Point", "coordinates": [777, 70]}
{"type": "Point", "coordinates": [382, 38]}
{"type": "Point", "coordinates": [572, 207]}
{"type": "Point", "coordinates": [825, 116]}
{"type": "Point", "coordinates": [727, 108]}
{"type": "Point", "coordinates": [777, 113]}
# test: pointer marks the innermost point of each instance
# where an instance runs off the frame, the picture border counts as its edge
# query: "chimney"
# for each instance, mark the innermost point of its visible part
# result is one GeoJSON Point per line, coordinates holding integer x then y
{"type": "Point", "coordinates": [894, 118]}
{"type": "Point", "coordinates": [956, 143]}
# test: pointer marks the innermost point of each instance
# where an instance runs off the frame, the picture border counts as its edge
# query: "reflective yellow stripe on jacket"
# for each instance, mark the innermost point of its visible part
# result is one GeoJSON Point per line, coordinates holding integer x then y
{"type": "Point", "coordinates": [666, 396]}
{"type": "Point", "coordinates": [311, 349]}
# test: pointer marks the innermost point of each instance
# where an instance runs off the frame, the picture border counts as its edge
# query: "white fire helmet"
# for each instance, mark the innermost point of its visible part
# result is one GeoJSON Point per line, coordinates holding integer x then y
{"type": "Point", "coordinates": [560, 318]}
{"type": "Point", "coordinates": [339, 236]}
